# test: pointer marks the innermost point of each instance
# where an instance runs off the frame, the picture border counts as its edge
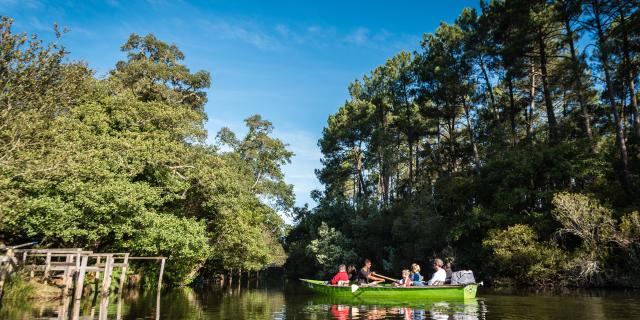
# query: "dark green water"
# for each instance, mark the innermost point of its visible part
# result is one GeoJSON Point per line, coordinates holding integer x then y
{"type": "Point", "coordinates": [294, 303]}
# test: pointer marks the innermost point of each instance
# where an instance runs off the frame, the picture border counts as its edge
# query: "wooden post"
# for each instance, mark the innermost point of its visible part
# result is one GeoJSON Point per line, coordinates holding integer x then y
{"type": "Point", "coordinates": [97, 272]}
{"type": "Point", "coordinates": [119, 306]}
{"type": "Point", "coordinates": [106, 281]}
{"type": "Point", "coordinates": [75, 311]}
{"type": "Point", "coordinates": [77, 257]}
{"type": "Point", "coordinates": [47, 266]}
{"type": "Point", "coordinates": [161, 273]}
{"type": "Point", "coordinates": [63, 311]}
{"type": "Point", "coordinates": [80, 280]}
{"type": "Point", "coordinates": [10, 261]}
{"type": "Point", "coordinates": [67, 276]}
{"type": "Point", "coordinates": [123, 273]}
{"type": "Point", "coordinates": [158, 301]}
{"type": "Point", "coordinates": [104, 305]}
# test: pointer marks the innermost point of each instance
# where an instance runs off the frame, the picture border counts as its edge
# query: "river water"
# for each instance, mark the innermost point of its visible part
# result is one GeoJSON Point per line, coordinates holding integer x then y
{"type": "Point", "coordinates": [293, 302]}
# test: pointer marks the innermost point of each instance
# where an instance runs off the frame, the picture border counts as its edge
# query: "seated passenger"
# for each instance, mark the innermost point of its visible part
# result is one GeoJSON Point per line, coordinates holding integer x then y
{"type": "Point", "coordinates": [353, 273]}
{"type": "Point", "coordinates": [416, 277]}
{"type": "Point", "coordinates": [439, 276]}
{"type": "Point", "coordinates": [406, 279]}
{"type": "Point", "coordinates": [341, 278]}
{"type": "Point", "coordinates": [366, 277]}
{"type": "Point", "coordinates": [449, 270]}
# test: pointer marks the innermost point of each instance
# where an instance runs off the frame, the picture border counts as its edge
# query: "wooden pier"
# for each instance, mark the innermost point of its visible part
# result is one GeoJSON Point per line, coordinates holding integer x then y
{"type": "Point", "coordinates": [68, 267]}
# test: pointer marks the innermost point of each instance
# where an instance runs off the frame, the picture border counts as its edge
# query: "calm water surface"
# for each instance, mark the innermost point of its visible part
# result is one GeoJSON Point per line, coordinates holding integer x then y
{"type": "Point", "coordinates": [292, 302]}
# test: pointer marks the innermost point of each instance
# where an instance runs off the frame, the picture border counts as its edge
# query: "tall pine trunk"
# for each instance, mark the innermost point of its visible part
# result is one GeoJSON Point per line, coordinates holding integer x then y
{"type": "Point", "coordinates": [474, 146]}
{"type": "Point", "coordinates": [485, 75]}
{"type": "Point", "coordinates": [551, 116]}
{"type": "Point", "coordinates": [620, 140]}
{"type": "Point", "coordinates": [629, 72]}
{"type": "Point", "coordinates": [579, 87]}
{"type": "Point", "coordinates": [532, 102]}
{"type": "Point", "coordinates": [512, 111]}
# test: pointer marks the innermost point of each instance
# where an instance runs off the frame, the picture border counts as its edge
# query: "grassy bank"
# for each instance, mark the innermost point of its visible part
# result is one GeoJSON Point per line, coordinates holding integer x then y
{"type": "Point", "coordinates": [17, 288]}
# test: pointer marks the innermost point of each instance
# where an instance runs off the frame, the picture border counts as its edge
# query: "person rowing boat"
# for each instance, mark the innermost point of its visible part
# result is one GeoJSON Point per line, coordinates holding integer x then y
{"type": "Point", "coordinates": [366, 277]}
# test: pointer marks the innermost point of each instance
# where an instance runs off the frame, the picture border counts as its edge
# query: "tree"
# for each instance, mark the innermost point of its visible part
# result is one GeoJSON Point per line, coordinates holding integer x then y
{"type": "Point", "coordinates": [265, 156]}
{"type": "Point", "coordinates": [119, 163]}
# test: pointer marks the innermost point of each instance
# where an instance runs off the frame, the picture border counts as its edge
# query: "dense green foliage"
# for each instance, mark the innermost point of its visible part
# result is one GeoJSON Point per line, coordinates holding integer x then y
{"type": "Point", "coordinates": [465, 149]}
{"type": "Point", "coordinates": [121, 163]}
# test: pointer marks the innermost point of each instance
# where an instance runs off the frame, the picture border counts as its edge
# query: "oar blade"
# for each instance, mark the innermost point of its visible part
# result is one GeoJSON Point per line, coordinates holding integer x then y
{"type": "Point", "coordinates": [354, 288]}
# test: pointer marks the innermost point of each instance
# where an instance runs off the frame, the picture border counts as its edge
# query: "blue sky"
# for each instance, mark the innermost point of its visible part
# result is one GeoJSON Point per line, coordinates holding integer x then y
{"type": "Point", "coordinates": [290, 61]}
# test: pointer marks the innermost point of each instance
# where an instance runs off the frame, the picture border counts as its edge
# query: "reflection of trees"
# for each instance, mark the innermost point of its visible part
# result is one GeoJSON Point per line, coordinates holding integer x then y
{"type": "Point", "coordinates": [246, 304]}
{"type": "Point", "coordinates": [174, 304]}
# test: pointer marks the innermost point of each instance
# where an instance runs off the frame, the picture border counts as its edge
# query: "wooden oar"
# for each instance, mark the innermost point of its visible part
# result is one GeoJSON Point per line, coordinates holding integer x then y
{"type": "Point", "coordinates": [384, 277]}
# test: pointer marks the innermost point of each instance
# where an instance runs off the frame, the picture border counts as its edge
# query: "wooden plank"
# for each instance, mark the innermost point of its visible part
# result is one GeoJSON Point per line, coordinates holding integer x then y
{"type": "Point", "coordinates": [158, 305]}
{"type": "Point", "coordinates": [7, 248]}
{"type": "Point", "coordinates": [146, 258]}
{"type": "Point", "coordinates": [106, 281]}
{"type": "Point", "coordinates": [105, 254]}
{"type": "Point", "coordinates": [80, 280]}
{"type": "Point", "coordinates": [98, 272]}
{"type": "Point", "coordinates": [104, 308]}
{"type": "Point", "coordinates": [54, 250]}
{"type": "Point", "coordinates": [161, 273]}
{"type": "Point", "coordinates": [47, 265]}
{"type": "Point", "coordinates": [123, 273]}
{"type": "Point", "coordinates": [7, 268]}
{"type": "Point", "coordinates": [66, 278]}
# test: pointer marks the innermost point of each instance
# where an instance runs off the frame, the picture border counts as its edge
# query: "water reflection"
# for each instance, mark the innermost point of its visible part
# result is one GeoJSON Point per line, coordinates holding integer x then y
{"type": "Point", "coordinates": [466, 310]}
{"type": "Point", "coordinates": [243, 303]}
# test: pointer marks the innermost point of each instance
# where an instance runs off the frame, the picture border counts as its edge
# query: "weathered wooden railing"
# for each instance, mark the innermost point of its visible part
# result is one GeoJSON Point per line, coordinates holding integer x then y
{"type": "Point", "coordinates": [72, 265]}
{"type": "Point", "coordinates": [8, 262]}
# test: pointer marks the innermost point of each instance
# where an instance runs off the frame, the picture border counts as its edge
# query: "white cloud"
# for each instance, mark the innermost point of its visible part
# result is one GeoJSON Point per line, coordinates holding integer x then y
{"type": "Point", "coordinates": [240, 30]}
{"type": "Point", "coordinates": [29, 4]}
{"type": "Point", "coordinates": [358, 36]}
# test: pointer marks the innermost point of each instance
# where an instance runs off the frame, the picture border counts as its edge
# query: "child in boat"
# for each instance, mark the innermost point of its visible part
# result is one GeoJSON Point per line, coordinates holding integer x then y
{"type": "Point", "coordinates": [341, 278]}
{"type": "Point", "coordinates": [416, 277]}
{"type": "Point", "coordinates": [406, 279]}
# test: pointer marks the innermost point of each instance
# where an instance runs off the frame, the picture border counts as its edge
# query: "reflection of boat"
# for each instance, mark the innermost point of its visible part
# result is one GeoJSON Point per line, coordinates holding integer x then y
{"type": "Point", "coordinates": [356, 308]}
{"type": "Point", "coordinates": [387, 293]}
{"type": "Point", "coordinates": [414, 303]}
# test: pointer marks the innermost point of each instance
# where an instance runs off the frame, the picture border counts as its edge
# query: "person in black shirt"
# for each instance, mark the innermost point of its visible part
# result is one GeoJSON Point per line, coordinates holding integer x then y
{"type": "Point", "coordinates": [353, 273]}
{"type": "Point", "coordinates": [365, 276]}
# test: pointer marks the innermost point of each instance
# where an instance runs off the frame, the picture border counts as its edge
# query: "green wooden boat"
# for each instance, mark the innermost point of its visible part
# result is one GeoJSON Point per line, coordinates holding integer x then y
{"type": "Point", "coordinates": [394, 294]}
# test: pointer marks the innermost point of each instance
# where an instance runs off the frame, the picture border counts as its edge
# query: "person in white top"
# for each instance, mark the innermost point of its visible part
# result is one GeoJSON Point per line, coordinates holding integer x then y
{"type": "Point", "coordinates": [439, 276]}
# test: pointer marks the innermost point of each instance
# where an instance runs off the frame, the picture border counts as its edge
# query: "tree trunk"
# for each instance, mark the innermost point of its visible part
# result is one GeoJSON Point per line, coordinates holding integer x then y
{"type": "Point", "coordinates": [551, 116]}
{"type": "Point", "coordinates": [620, 140]}
{"type": "Point", "coordinates": [452, 141]}
{"type": "Point", "coordinates": [575, 67]}
{"type": "Point", "coordinates": [512, 112]}
{"type": "Point", "coordinates": [474, 146]}
{"type": "Point", "coordinates": [485, 75]}
{"type": "Point", "coordinates": [629, 73]}
{"type": "Point", "coordinates": [532, 102]}
{"type": "Point", "coordinates": [410, 142]}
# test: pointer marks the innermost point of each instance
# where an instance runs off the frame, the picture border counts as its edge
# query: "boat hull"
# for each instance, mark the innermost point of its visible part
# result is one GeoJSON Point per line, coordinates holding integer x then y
{"type": "Point", "coordinates": [394, 294]}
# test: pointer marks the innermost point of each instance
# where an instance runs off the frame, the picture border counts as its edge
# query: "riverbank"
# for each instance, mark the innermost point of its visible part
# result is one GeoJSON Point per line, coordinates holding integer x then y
{"type": "Point", "coordinates": [17, 288]}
